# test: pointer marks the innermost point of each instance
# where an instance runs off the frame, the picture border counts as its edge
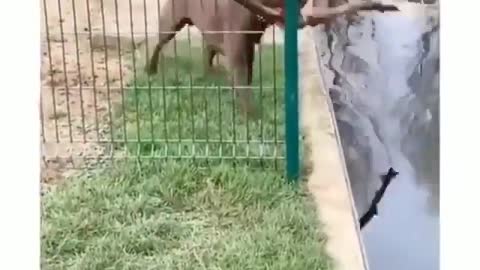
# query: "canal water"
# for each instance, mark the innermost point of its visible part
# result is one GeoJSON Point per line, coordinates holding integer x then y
{"type": "Point", "coordinates": [383, 78]}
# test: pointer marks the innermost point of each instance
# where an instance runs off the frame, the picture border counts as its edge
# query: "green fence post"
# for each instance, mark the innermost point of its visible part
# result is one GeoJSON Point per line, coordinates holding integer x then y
{"type": "Point", "coordinates": [291, 90]}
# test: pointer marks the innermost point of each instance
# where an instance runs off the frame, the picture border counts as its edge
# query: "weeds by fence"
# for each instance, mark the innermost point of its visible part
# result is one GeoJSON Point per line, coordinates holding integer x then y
{"type": "Point", "coordinates": [98, 103]}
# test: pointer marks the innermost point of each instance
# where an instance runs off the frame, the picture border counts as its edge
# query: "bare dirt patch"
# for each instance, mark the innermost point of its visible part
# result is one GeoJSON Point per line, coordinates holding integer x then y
{"type": "Point", "coordinates": [75, 100]}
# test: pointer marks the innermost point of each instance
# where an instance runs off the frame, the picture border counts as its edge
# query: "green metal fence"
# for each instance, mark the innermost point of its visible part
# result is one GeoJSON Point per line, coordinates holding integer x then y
{"type": "Point", "coordinates": [98, 103]}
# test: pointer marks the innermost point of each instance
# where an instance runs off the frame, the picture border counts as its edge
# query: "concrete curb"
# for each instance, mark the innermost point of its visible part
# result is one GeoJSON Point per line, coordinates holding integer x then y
{"type": "Point", "coordinates": [328, 181]}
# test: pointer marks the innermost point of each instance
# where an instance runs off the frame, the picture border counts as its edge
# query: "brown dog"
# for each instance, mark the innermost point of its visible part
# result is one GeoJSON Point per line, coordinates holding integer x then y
{"type": "Point", "coordinates": [232, 28]}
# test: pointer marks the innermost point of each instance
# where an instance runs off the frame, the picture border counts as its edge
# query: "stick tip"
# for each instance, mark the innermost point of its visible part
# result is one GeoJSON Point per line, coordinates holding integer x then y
{"type": "Point", "coordinates": [392, 173]}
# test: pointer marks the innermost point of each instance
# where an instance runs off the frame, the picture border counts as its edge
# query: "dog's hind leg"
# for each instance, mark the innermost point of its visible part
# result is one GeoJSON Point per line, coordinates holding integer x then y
{"type": "Point", "coordinates": [173, 18]}
{"type": "Point", "coordinates": [209, 54]}
{"type": "Point", "coordinates": [240, 64]}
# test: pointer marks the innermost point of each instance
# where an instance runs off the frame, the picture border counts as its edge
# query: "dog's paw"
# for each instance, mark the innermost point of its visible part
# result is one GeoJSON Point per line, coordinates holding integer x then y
{"type": "Point", "coordinates": [151, 69]}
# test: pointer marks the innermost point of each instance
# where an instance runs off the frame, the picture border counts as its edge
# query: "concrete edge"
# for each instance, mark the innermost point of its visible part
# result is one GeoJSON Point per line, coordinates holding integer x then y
{"type": "Point", "coordinates": [328, 181]}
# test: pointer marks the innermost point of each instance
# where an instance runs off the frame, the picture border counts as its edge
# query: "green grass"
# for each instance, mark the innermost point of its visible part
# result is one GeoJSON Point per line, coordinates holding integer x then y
{"type": "Point", "coordinates": [204, 121]}
{"type": "Point", "coordinates": [174, 214]}
{"type": "Point", "coordinates": [180, 217]}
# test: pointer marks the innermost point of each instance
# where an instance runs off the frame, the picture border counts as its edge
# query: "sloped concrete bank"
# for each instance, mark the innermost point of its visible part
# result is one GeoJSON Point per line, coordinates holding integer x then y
{"type": "Point", "coordinates": [328, 180]}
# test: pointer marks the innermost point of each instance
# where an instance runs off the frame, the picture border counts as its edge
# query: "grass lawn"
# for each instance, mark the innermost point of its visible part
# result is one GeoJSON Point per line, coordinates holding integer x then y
{"type": "Point", "coordinates": [172, 214]}
{"type": "Point", "coordinates": [196, 115]}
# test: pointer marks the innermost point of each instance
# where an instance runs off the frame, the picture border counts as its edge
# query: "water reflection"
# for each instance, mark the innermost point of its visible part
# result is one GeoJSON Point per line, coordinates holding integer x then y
{"type": "Point", "coordinates": [386, 102]}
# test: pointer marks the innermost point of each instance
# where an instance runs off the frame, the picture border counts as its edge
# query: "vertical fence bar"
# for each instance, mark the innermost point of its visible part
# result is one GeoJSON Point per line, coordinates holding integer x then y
{"type": "Point", "coordinates": [50, 71]}
{"type": "Point", "coordinates": [275, 102]}
{"type": "Point", "coordinates": [177, 88]}
{"type": "Point", "coordinates": [205, 61]}
{"type": "Point", "coordinates": [107, 73]}
{"type": "Point", "coordinates": [120, 70]}
{"type": "Point", "coordinates": [65, 77]}
{"type": "Point", "coordinates": [149, 78]}
{"type": "Point", "coordinates": [134, 65]}
{"type": "Point", "coordinates": [220, 121]}
{"type": "Point", "coordinates": [164, 97]}
{"type": "Point", "coordinates": [291, 90]}
{"type": "Point", "coordinates": [260, 76]}
{"type": "Point", "coordinates": [42, 130]}
{"type": "Point", "coordinates": [79, 71]}
{"type": "Point", "coordinates": [192, 100]}
{"type": "Point", "coordinates": [92, 67]}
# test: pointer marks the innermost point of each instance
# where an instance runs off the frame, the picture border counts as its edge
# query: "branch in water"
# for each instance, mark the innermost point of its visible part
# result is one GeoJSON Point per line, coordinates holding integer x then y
{"type": "Point", "coordinates": [373, 210]}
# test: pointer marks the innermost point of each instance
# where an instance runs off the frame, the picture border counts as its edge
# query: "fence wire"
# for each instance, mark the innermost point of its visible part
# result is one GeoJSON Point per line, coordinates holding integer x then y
{"type": "Point", "coordinates": [99, 103]}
